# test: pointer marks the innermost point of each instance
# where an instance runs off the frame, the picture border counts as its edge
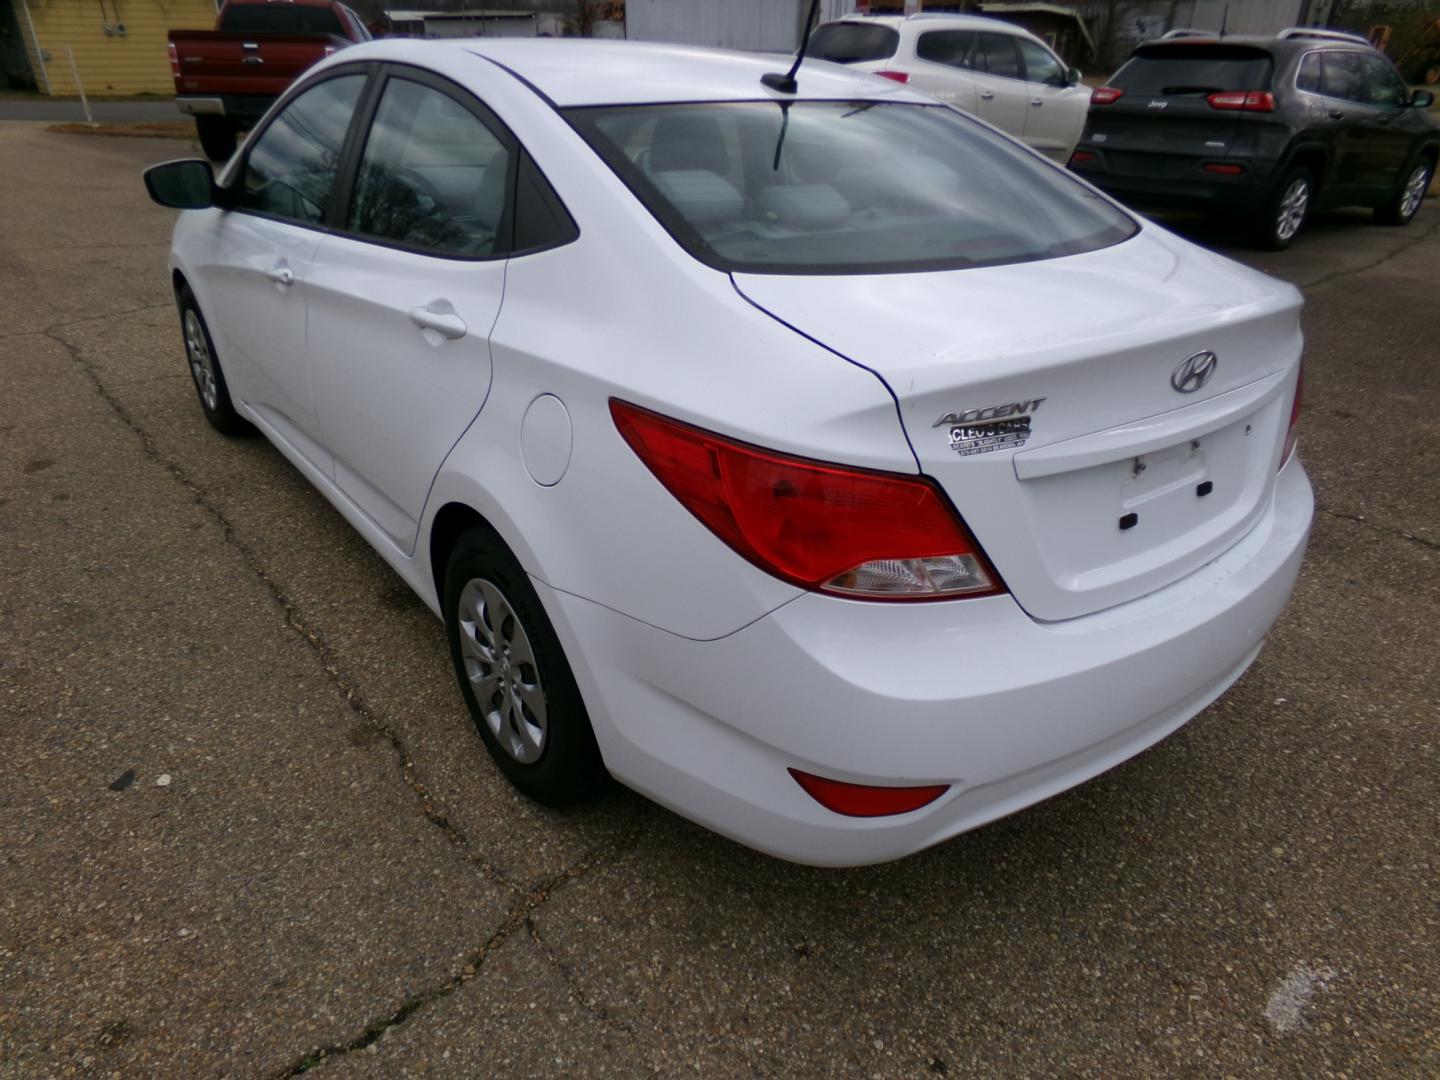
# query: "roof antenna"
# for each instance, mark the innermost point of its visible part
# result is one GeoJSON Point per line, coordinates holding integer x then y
{"type": "Point", "coordinates": [1224, 19]}
{"type": "Point", "coordinates": [786, 83]}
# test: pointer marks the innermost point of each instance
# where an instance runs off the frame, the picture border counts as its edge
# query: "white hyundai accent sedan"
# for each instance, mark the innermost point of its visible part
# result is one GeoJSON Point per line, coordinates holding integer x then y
{"type": "Point", "coordinates": [815, 460]}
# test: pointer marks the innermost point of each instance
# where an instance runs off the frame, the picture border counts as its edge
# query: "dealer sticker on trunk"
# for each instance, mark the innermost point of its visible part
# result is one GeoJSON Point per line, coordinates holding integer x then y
{"type": "Point", "coordinates": [996, 427]}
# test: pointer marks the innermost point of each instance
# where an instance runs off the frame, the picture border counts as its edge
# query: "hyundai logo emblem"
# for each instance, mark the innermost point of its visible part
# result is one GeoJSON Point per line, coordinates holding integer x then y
{"type": "Point", "coordinates": [1194, 372]}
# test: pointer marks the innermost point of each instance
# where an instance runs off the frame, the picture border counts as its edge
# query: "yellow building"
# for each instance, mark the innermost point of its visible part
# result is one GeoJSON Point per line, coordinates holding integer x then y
{"type": "Point", "coordinates": [119, 45]}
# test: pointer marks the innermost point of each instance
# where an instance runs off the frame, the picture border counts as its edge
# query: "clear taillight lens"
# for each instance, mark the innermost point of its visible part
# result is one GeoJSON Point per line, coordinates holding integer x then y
{"type": "Point", "coordinates": [1292, 433]}
{"type": "Point", "coordinates": [852, 532]}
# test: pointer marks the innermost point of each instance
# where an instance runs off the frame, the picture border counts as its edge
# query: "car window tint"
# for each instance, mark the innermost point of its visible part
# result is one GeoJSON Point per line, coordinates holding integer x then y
{"type": "Point", "coordinates": [1383, 85]}
{"type": "Point", "coordinates": [1041, 65]}
{"type": "Point", "coordinates": [1308, 77]}
{"type": "Point", "coordinates": [290, 169]}
{"type": "Point", "coordinates": [852, 43]}
{"type": "Point", "coordinates": [996, 55]}
{"type": "Point", "coordinates": [952, 47]}
{"type": "Point", "coordinates": [1344, 77]}
{"type": "Point", "coordinates": [432, 175]}
{"type": "Point", "coordinates": [541, 220]}
{"type": "Point", "coordinates": [857, 187]}
{"type": "Point", "coordinates": [1193, 70]}
{"type": "Point", "coordinates": [280, 19]}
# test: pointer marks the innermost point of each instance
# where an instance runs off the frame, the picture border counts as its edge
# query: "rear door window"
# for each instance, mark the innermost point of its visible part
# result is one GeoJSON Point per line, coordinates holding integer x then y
{"type": "Point", "coordinates": [290, 168]}
{"type": "Point", "coordinates": [950, 47]}
{"type": "Point", "coordinates": [853, 43]}
{"type": "Point", "coordinates": [1309, 77]}
{"type": "Point", "coordinates": [1193, 70]}
{"type": "Point", "coordinates": [432, 177]}
{"type": "Point", "coordinates": [995, 55]}
{"type": "Point", "coordinates": [1344, 76]}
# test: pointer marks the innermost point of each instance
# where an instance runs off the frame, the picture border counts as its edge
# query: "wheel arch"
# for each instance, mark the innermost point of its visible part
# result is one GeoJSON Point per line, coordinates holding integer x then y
{"type": "Point", "coordinates": [451, 521]}
{"type": "Point", "coordinates": [1309, 156]}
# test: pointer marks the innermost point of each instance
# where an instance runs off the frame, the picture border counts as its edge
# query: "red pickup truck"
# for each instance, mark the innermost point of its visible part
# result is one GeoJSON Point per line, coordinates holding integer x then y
{"type": "Point", "coordinates": [227, 77]}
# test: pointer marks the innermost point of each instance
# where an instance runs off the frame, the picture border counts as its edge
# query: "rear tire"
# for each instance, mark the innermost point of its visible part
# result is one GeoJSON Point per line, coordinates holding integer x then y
{"type": "Point", "coordinates": [217, 137]}
{"type": "Point", "coordinates": [205, 371]}
{"type": "Point", "coordinates": [514, 676]}
{"type": "Point", "coordinates": [1285, 211]}
{"type": "Point", "coordinates": [1406, 202]}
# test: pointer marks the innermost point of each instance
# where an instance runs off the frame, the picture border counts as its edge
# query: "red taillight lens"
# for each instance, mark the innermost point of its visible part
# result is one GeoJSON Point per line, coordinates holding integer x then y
{"type": "Point", "coordinates": [1248, 100]}
{"type": "Point", "coordinates": [1105, 95]}
{"type": "Point", "coordinates": [1292, 433]}
{"type": "Point", "coordinates": [1081, 156]}
{"type": "Point", "coordinates": [174, 62]}
{"type": "Point", "coordinates": [864, 800]}
{"type": "Point", "coordinates": [897, 76]}
{"type": "Point", "coordinates": [853, 532]}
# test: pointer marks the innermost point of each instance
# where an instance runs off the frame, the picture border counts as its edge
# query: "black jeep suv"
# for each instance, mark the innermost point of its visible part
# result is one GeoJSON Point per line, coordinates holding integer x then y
{"type": "Point", "coordinates": [1267, 128]}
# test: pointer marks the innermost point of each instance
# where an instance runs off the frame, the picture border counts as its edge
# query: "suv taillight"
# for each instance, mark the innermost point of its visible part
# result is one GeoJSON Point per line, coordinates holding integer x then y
{"type": "Point", "coordinates": [1292, 433]}
{"type": "Point", "coordinates": [895, 76]}
{"type": "Point", "coordinates": [1105, 95]}
{"type": "Point", "coordinates": [848, 531]}
{"type": "Point", "coordinates": [1247, 100]}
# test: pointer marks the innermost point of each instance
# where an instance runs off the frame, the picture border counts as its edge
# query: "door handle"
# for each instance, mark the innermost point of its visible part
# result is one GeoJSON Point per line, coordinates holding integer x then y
{"type": "Point", "coordinates": [986, 95]}
{"type": "Point", "coordinates": [1336, 114]}
{"type": "Point", "coordinates": [1036, 101]}
{"type": "Point", "coordinates": [444, 322]}
{"type": "Point", "coordinates": [282, 275]}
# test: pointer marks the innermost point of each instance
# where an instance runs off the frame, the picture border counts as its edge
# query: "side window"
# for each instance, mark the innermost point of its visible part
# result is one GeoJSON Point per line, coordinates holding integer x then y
{"type": "Point", "coordinates": [432, 176]}
{"type": "Point", "coordinates": [290, 169]}
{"type": "Point", "coordinates": [1308, 77]}
{"type": "Point", "coordinates": [995, 53]}
{"type": "Point", "coordinates": [1343, 76]}
{"type": "Point", "coordinates": [949, 47]}
{"type": "Point", "coordinates": [541, 220]}
{"type": "Point", "coordinates": [1041, 65]}
{"type": "Point", "coordinates": [1383, 85]}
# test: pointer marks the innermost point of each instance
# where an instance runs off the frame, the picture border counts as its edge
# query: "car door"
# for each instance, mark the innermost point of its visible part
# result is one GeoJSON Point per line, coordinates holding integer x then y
{"type": "Point", "coordinates": [1388, 97]}
{"type": "Point", "coordinates": [1343, 79]}
{"type": "Point", "coordinates": [263, 250]}
{"type": "Point", "coordinates": [1000, 90]}
{"type": "Point", "coordinates": [1056, 112]}
{"type": "Point", "coordinates": [404, 293]}
{"type": "Point", "coordinates": [942, 67]}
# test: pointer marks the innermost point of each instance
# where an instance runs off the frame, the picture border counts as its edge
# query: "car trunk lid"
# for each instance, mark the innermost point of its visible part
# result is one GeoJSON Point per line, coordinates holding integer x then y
{"type": "Point", "coordinates": [1040, 396]}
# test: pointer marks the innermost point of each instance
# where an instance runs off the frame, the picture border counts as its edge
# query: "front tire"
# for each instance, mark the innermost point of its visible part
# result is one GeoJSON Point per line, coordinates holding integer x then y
{"type": "Point", "coordinates": [1405, 204]}
{"type": "Point", "coordinates": [1286, 210]}
{"type": "Point", "coordinates": [217, 137]}
{"type": "Point", "coordinates": [514, 677]}
{"type": "Point", "coordinates": [205, 371]}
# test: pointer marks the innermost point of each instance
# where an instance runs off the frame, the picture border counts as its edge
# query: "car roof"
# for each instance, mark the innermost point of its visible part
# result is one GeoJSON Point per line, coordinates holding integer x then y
{"type": "Point", "coordinates": [1277, 45]}
{"type": "Point", "coordinates": [936, 21]}
{"type": "Point", "coordinates": [585, 71]}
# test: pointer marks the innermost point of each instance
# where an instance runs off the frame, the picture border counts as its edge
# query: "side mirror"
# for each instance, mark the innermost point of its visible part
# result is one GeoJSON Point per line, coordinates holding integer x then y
{"type": "Point", "coordinates": [187, 184]}
{"type": "Point", "coordinates": [1074, 76]}
{"type": "Point", "coordinates": [1422, 99]}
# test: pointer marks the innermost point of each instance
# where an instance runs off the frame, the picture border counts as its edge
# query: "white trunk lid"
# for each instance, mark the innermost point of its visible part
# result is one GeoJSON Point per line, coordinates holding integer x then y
{"type": "Point", "coordinates": [1094, 339]}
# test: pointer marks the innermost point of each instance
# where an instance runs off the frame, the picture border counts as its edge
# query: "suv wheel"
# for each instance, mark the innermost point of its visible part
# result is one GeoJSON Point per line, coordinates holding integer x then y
{"type": "Point", "coordinates": [217, 136]}
{"type": "Point", "coordinates": [1406, 202]}
{"type": "Point", "coordinates": [1286, 210]}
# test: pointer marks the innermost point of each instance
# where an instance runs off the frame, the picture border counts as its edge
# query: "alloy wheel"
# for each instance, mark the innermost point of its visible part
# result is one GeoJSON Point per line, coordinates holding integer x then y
{"type": "Point", "coordinates": [500, 664]}
{"type": "Point", "coordinates": [1414, 192]}
{"type": "Point", "coordinates": [202, 368]}
{"type": "Point", "coordinates": [1293, 205]}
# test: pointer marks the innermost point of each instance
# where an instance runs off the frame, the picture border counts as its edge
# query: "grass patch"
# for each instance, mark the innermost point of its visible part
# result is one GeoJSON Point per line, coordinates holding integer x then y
{"type": "Point", "coordinates": [156, 129]}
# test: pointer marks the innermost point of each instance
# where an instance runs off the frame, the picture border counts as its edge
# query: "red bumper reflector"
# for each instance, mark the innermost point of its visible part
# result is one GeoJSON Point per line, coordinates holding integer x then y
{"type": "Point", "coordinates": [1081, 156]}
{"type": "Point", "coordinates": [864, 800]}
{"type": "Point", "coordinates": [1223, 169]}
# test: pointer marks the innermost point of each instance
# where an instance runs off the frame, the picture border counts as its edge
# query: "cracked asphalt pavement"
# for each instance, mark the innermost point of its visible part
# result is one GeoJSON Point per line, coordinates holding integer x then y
{"type": "Point", "coordinates": [246, 828]}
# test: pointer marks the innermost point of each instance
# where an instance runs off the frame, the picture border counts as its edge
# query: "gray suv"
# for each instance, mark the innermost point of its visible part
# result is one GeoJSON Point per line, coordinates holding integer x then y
{"type": "Point", "coordinates": [1267, 128]}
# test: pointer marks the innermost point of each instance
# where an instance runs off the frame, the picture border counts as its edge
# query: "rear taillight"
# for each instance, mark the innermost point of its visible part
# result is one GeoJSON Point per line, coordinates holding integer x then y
{"type": "Point", "coordinates": [896, 76]}
{"type": "Point", "coordinates": [848, 531]}
{"type": "Point", "coordinates": [1292, 433]}
{"type": "Point", "coordinates": [866, 800]}
{"type": "Point", "coordinates": [1248, 100]}
{"type": "Point", "coordinates": [330, 50]}
{"type": "Point", "coordinates": [174, 61]}
{"type": "Point", "coordinates": [1105, 95]}
{"type": "Point", "coordinates": [1080, 157]}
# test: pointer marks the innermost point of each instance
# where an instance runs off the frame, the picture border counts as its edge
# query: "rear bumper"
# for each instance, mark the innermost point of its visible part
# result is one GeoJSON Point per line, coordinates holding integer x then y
{"type": "Point", "coordinates": [201, 106]}
{"type": "Point", "coordinates": [973, 694]}
{"type": "Point", "coordinates": [1191, 187]}
{"type": "Point", "coordinates": [244, 109]}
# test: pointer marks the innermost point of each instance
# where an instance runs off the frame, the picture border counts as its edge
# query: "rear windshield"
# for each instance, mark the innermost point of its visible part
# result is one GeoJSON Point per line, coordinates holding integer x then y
{"type": "Point", "coordinates": [852, 43]}
{"type": "Point", "coordinates": [1179, 70]}
{"type": "Point", "coordinates": [841, 187]}
{"type": "Point", "coordinates": [280, 19]}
